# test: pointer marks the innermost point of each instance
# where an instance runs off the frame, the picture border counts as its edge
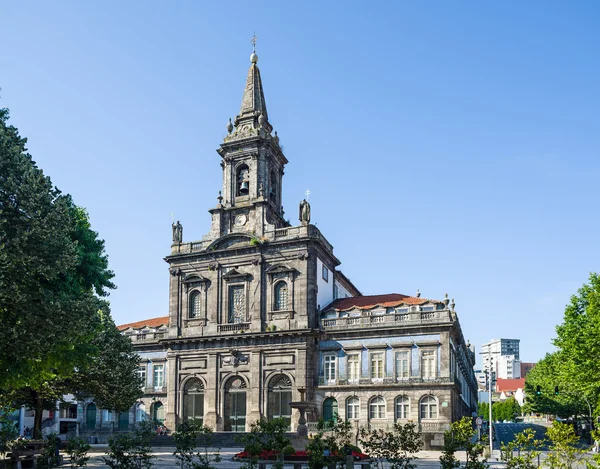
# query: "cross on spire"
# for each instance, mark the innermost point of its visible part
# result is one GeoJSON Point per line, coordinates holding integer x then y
{"type": "Point", "coordinates": [307, 194]}
{"type": "Point", "coordinates": [253, 41]}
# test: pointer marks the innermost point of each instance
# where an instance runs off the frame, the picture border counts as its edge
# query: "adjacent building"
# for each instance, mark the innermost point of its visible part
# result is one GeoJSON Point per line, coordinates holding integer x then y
{"type": "Point", "coordinates": [260, 313]}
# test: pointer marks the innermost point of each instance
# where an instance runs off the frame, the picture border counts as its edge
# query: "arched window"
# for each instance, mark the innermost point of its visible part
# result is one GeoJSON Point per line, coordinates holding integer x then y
{"type": "Point", "coordinates": [243, 180]}
{"type": "Point", "coordinates": [330, 409]}
{"type": "Point", "coordinates": [140, 413]}
{"type": "Point", "coordinates": [195, 304]}
{"type": "Point", "coordinates": [193, 400]}
{"type": "Point", "coordinates": [279, 396]}
{"type": "Point", "coordinates": [90, 417]}
{"type": "Point", "coordinates": [273, 188]}
{"type": "Point", "coordinates": [429, 409]}
{"type": "Point", "coordinates": [377, 408]}
{"type": "Point", "coordinates": [235, 405]}
{"type": "Point", "coordinates": [402, 407]}
{"type": "Point", "coordinates": [352, 408]}
{"type": "Point", "coordinates": [281, 297]}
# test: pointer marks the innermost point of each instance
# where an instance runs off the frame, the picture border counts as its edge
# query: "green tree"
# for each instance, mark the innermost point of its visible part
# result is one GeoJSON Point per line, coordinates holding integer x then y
{"type": "Point", "coordinates": [573, 367]}
{"type": "Point", "coordinates": [527, 450]}
{"type": "Point", "coordinates": [188, 436]}
{"type": "Point", "coordinates": [461, 436]}
{"type": "Point", "coordinates": [396, 447]}
{"type": "Point", "coordinates": [564, 451]}
{"type": "Point", "coordinates": [131, 451]}
{"type": "Point", "coordinates": [53, 275]}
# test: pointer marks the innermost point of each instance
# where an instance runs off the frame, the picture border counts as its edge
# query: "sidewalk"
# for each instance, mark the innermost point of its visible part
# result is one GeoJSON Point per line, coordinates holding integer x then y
{"type": "Point", "coordinates": [165, 459]}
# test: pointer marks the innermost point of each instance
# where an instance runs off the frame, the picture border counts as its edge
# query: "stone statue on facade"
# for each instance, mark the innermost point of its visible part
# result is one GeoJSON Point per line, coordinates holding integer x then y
{"type": "Point", "coordinates": [177, 232]}
{"type": "Point", "coordinates": [304, 212]}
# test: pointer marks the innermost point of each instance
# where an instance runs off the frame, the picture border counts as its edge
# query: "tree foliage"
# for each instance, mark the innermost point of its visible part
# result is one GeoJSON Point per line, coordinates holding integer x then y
{"type": "Point", "coordinates": [56, 329]}
{"type": "Point", "coordinates": [527, 450]}
{"type": "Point", "coordinates": [396, 447]}
{"type": "Point", "coordinates": [573, 367]}
{"type": "Point", "coordinates": [461, 437]}
{"type": "Point", "coordinates": [190, 435]}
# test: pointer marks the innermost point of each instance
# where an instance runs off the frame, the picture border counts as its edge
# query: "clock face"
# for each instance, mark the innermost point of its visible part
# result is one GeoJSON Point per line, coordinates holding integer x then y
{"type": "Point", "coordinates": [241, 220]}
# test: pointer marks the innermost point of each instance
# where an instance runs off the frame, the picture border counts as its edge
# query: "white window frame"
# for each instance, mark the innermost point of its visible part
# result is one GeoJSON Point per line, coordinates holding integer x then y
{"type": "Point", "coordinates": [158, 371]}
{"type": "Point", "coordinates": [402, 403]}
{"type": "Point", "coordinates": [377, 408]}
{"type": "Point", "coordinates": [400, 370]}
{"type": "Point", "coordinates": [353, 367]}
{"type": "Point", "coordinates": [428, 372]}
{"type": "Point", "coordinates": [426, 408]}
{"type": "Point", "coordinates": [353, 408]}
{"type": "Point", "coordinates": [329, 368]}
{"type": "Point", "coordinates": [142, 374]}
{"type": "Point", "coordinates": [377, 372]}
{"type": "Point", "coordinates": [325, 273]}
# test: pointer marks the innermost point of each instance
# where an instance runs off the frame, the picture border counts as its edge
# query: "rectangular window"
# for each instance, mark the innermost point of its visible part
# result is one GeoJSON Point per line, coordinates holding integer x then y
{"type": "Point", "coordinates": [428, 364]}
{"type": "Point", "coordinates": [106, 415]}
{"type": "Point", "coordinates": [354, 368]}
{"type": "Point", "coordinates": [159, 376]}
{"type": "Point", "coordinates": [402, 365]}
{"type": "Point", "coordinates": [377, 365]}
{"type": "Point", "coordinates": [329, 368]}
{"type": "Point", "coordinates": [325, 274]}
{"type": "Point", "coordinates": [141, 372]}
{"type": "Point", "coordinates": [237, 304]}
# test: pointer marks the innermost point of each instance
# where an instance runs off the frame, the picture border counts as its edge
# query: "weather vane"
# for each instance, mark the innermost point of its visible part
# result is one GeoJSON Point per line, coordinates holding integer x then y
{"type": "Point", "coordinates": [253, 41]}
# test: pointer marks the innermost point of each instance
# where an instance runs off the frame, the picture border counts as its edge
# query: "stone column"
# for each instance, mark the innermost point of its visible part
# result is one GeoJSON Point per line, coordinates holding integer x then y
{"type": "Point", "coordinates": [254, 393]}
{"type": "Point", "coordinates": [211, 395]}
{"type": "Point", "coordinates": [172, 376]}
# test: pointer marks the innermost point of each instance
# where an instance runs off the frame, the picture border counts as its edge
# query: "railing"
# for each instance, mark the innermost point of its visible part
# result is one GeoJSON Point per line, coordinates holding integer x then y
{"type": "Point", "coordinates": [387, 424]}
{"type": "Point", "coordinates": [389, 320]}
{"type": "Point", "coordinates": [148, 336]}
{"type": "Point", "coordinates": [155, 390]}
{"type": "Point", "coordinates": [387, 380]}
{"type": "Point", "coordinates": [235, 327]}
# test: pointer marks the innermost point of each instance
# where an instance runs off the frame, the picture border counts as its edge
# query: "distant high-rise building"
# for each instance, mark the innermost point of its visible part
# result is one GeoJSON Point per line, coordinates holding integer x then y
{"type": "Point", "coordinates": [502, 357]}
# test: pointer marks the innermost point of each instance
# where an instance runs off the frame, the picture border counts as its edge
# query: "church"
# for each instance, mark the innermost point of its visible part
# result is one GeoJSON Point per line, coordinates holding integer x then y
{"type": "Point", "coordinates": [260, 315]}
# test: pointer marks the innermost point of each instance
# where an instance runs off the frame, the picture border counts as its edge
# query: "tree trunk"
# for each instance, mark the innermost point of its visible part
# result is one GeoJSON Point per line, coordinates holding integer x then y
{"type": "Point", "coordinates": [39, 410]}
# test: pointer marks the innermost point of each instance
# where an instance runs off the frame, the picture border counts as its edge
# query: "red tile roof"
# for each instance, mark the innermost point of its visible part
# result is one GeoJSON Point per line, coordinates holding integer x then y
{"type": "Point", "coordinates": [154, 322]}
{"type": "Point", "coordinates": [368, 302]}
{"type": "Point", "coordinates": [509, 384]}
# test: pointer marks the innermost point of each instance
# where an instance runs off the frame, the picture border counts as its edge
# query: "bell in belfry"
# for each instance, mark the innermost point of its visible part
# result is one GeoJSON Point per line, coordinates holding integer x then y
{"type": "Point", "coordinates": [244, 188]}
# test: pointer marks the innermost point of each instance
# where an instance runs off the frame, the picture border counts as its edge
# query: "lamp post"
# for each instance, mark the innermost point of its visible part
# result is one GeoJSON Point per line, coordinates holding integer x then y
{"type": "Point", "coordinates": [490, 384]}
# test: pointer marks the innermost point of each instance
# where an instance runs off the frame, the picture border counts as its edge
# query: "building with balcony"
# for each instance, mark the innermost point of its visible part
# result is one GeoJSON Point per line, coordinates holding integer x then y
{"type": "Point", "coordinates": [259, 310]}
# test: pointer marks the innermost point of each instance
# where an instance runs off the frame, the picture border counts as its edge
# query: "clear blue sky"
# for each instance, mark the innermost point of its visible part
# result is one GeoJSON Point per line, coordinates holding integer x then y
{"type": "Point", "coordinates": [449, 146]}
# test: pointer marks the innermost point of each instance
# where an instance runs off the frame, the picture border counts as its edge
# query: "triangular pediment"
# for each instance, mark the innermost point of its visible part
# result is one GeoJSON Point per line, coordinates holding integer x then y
{"type": "Point", "coordinates": [235, 274]}
{"type": "Point", "coordinates": [195, 278]}
{"type": "Point", "coordinates": [277, 269]}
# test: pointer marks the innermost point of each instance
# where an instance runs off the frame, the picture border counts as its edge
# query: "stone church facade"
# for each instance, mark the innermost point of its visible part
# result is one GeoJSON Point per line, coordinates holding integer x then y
{"type": "Point", "coordinates": [259, 310]}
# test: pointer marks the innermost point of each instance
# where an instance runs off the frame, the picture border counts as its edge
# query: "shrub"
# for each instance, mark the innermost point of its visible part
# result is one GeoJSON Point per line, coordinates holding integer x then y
{"type": "Point", "coordinates": [77, 450]}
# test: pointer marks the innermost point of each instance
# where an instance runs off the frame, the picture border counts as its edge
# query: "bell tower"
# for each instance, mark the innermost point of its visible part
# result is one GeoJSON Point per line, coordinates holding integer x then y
{"type": "Point", "coordinates": [253, 168]}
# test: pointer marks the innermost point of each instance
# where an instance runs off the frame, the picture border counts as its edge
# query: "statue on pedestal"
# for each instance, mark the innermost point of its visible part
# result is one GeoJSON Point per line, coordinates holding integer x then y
{"type": "Point", "coordinates": [177, 232]}
{"type": "Point", "coordinates": [304, 212]}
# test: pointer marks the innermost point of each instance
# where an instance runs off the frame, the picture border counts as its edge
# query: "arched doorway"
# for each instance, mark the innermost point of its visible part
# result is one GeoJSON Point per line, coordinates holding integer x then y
{"type": "Point", "coordinates": [193, 401]}
{"type": "Point", "coordinates": [90, 417]}
{"type": "Point", "coordinates": [279, 396]}
{"type": "Point", "coordinates": [158, 413]}
{"type": "Point", "coordinates": [330, 408]}
{"type": "Point", "coordinates": [234, 408]}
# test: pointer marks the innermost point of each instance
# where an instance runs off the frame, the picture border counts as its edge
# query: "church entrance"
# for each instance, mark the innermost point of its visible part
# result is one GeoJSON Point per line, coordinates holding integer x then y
{"type": "Point", "coordinates": [235, 405]}
{"type": "Point", "coordinates": [193, 401]}
{"type": "Point", "coordinates": [279, 396]}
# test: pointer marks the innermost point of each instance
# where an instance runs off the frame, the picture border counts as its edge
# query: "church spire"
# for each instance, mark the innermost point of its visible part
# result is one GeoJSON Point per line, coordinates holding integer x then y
{"type": "Point", "coordinates": [253, 101]}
